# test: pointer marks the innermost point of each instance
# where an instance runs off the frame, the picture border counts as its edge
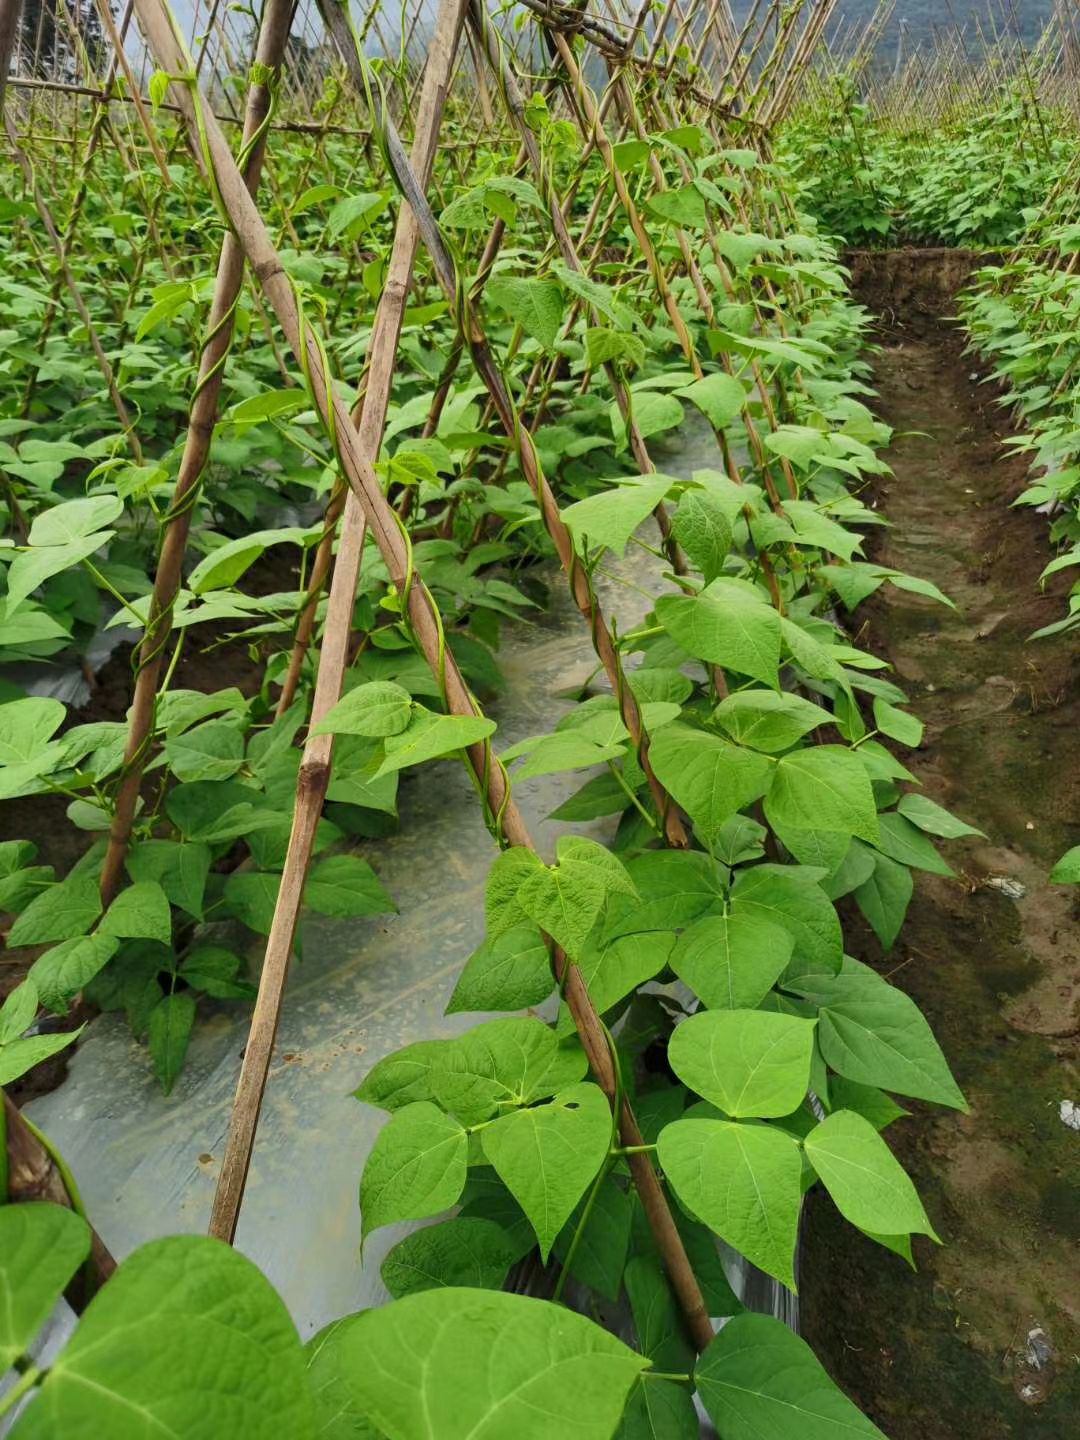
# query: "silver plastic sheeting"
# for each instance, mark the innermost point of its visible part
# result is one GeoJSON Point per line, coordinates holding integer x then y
{"type": "Point", "coordinates": [147, 1165]}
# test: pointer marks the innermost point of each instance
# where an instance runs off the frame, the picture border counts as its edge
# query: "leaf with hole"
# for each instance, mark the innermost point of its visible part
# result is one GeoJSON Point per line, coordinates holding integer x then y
{"type": "Point", "coordinates": [548, 1154]}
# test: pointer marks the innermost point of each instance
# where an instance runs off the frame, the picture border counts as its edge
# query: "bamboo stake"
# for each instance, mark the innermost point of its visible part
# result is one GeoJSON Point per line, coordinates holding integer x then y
{"type": "Point", "coordinates": [369, 419]}
{"type": "Point", "coordinates": [150, 655]}
{"type": "Point", "coordinates": [491, 375]}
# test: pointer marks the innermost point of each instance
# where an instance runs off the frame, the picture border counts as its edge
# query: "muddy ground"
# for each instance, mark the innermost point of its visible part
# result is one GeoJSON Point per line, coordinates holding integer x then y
{"type": "Point", "coordinates": [984, 1341]}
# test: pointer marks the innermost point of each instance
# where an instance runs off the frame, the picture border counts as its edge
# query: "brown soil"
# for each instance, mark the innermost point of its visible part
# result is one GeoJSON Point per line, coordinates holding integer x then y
{"type": "Point", "coordinates": [984, 1340]}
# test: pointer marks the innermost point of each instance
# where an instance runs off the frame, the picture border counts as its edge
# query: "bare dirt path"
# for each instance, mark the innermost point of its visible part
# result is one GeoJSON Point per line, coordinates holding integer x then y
{"type": "Point", "coordinates": [984, 1342]}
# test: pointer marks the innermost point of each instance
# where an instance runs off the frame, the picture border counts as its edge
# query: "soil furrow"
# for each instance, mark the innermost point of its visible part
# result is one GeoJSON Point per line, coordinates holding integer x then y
{"type": "Point", "coordinates": [984, 1341]}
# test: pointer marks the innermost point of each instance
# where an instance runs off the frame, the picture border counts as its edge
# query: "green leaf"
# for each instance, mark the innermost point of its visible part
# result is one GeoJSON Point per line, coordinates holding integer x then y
{"type": "Point", "coordinates": [415, 1168]}
{"type": "Point", "coordinates": [252, 898]}
{"type": "Point", "coordinates": [226, 563]}
{"type": "Point", "coordinates": [866, 1100]}
{"type": "Point", "coordinates": [731, 962]}
{"type": "Point", "coordinates": [429, 737]}
{"type": "Point", "coordinates": [354, 213]}
{"type": "Point", "coordinates": [614, 969]}
{"type": "Point", "coordinates": [466, 1250]}
{"type": "Point", "coordinates": [600, 1255]}
{"type": "Point", "coordinates": [758, 1381]}
{"type": "Point", "coordinates": [884, 898]}
{"type": "Point", "coordinates": [75, 520]}
{"type": "Point", "coordinates": [18, 1011]}
{"type": "Point", "coordinates": [872, 1032]}
{"type": "Point", "coordinates": [26, 726]}
{"type": "Point", "coordinates": [180, 868]}
{"type": "Point", "coordinates": [346, 886]}
{"type": "Point", "coordinates": [824, 787]}
{"type": "Point", "coordinates": [19, 1056]}
{"type": "Point", "coordinates": [1067, 869]}
{"type": "Point", "coordinates": [508, 873]}
{"type": "Point", "coordinates": [701, 527]}
{"type": "Point", "coordinates": [719, 397]}
{"type": "Point", "coordinates": [933, 818]}
{"type": "Point", "coordinates": [377, 709]}
{"type": "Point", "coordinates": [907, 845]}
{"type": "Point", "coordinates": [338, 1415]}
{"type": "Point", "coordinates": [547, 1155]}
{"type": "Point", "coordinates": [62, 971]}
{"type": "Point", "coordinates": [867, 1183]}
{"type": "Point", "coordinates": [509, 972]}
{"type": "Point", "coordinates": [603, 345]}
{"type": "Point", "coordinates": [579, 853]}
{"type": "Point", "coordinates": [139, 912]}
{"type": "Point", "coordinates": [169, 1032]}
{"type": "Point", "coordinates": [709, 777]}
{"type": "Point", "coordinates": [677, 887]}
{"type": "Point", "coordinates": [654, 413]}
{"type": "Point", "coordinates": [897, 724]}
{"type": "Point", "coordinates": [536, 305]}
{"type": "Point", "coordinates": [565, 750]}
{"type": "Point", "coordinates": [41, 1247]}
{"type": "Point", "coordinates": [187, 1338]}
{"type": "Point", "coordinates": [748, 1062]}
{"type": "Point", "coordinates": [657, 1318]}
{"type": "Point", "coordinates": [684, 207]}
{"type": "Point", "coordinates": [60, 913]}
{"type": "Point", "coordinates": [32, 568]}
{"type": "Point", "coordinates": [744, 1182]}
{"type": "Point", "coordinates": [268, 404]}
{"type": "Point", "coordinates": [659, 1410]}
{"type": "Point", "coordinates": [565, 901]}
{"type": "Point", "coordinates": [768, 721]}
{"type": "Point", "coordinates": [789, 895]}
{"type": "Point", "coordinates": [216, 971]}
{"type": "Point", "coordinates": [726, 625]}
{"type": "Point", "coordinates": [212, 751]}
{"type": "Point", "coordinates": [611, 517]}
{"type": "Point", "coordinates": [211, 812]}
{"type": "Point", "coordinates": [514, 1366]}
{"type": "Point", "coordinates": [504, 1063]}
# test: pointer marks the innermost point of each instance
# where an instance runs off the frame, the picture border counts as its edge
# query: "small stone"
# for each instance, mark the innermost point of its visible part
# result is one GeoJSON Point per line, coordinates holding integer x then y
{"type": "Point", "coordinates": [1070, 1114]}
{"type": "Point", "coordinates": [1029, 826]}
{"type": "Point", "coordinates": [1011, 889]}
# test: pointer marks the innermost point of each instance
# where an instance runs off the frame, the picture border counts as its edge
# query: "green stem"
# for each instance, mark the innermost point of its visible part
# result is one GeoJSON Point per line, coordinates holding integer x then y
{"type": "Point", "coordinates": [633, 798]}
{"type": "Point", "coordinates": [105, 585]}
{"type": "Point", "coordinates": [667, 1375]}
{"type": "Point", "coordinates": [633, 1149]}
{"type": "Point", "coordinates": [564, 1273]}
{"type": "Point", "coordinates": [30, 1377]}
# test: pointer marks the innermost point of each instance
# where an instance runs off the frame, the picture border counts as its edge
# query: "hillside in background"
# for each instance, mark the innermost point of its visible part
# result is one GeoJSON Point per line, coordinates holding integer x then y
{"type": "Point", "coordinates": [923, 17]}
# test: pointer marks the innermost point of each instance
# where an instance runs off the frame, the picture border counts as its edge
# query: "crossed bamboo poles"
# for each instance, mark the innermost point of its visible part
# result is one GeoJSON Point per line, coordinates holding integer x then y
{"type": "Point", "coordinates": [366, 501]}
